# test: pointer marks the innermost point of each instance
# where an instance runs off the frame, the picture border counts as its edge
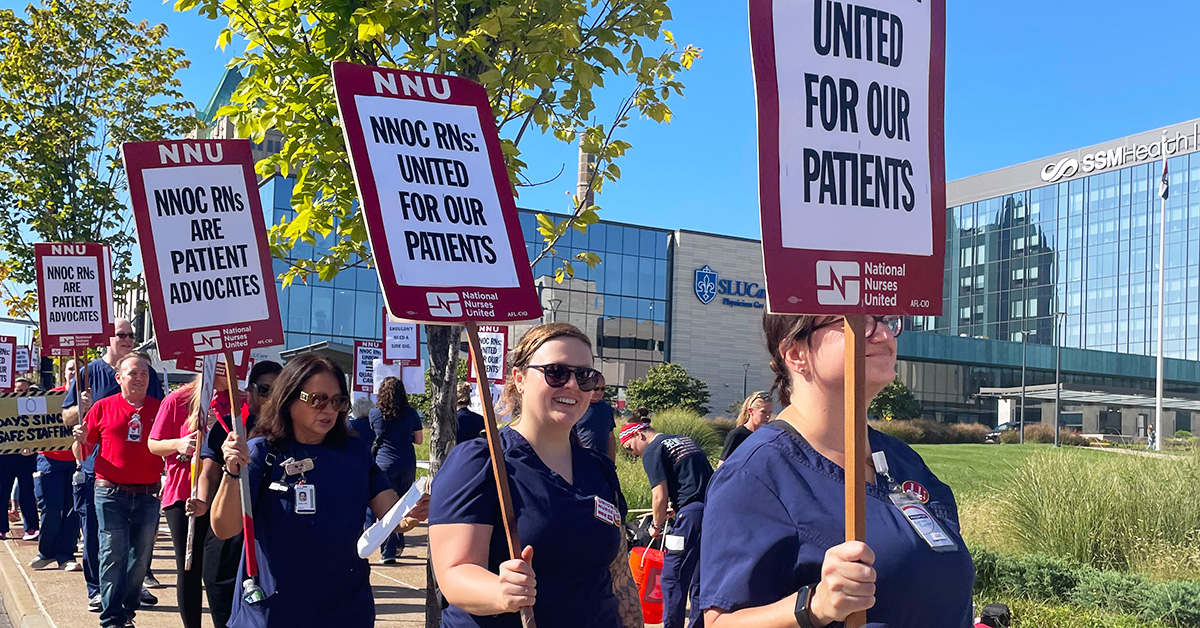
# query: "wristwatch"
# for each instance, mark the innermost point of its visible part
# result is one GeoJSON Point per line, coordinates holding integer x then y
{"type": "Point", "coordinates": [803, 600]}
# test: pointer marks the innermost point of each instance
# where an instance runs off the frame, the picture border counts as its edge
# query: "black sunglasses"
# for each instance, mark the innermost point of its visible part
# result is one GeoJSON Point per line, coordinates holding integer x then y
{"type": "Point", "coordinates": [557, 375]}
{"type": "Point", "coordinates": [318, 401]}
{"type": "Point", "coordinates": [125, 336]}
{"type": "Point", "coordinates": [894, 323]}
{"type": "Point", "coordinates": [262, 389]}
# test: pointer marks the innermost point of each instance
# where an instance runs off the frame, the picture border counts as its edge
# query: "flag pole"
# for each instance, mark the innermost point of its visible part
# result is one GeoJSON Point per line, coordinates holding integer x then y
{"type": "Point", "coordinates": [1163, 192]}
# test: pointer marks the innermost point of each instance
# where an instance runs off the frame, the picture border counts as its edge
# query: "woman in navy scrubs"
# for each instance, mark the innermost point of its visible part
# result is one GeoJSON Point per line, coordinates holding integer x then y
{"type": "Point", "coordinates": [567, 500]}
{"type": "Point", "coordinates": [772, 551]}
{"type": "Point", "coordinates": [397, 427]}
{"type": "Point", "coordinates": [305, 524]}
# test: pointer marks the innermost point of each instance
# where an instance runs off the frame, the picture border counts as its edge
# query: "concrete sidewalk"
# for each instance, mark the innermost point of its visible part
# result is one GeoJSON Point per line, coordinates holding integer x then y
{"type": "Point", "coordinates": [58, 599]}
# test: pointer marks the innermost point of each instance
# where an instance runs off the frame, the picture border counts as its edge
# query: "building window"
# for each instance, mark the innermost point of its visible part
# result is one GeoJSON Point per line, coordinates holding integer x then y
{"type": "Point", "coordinates": [1183, 420]}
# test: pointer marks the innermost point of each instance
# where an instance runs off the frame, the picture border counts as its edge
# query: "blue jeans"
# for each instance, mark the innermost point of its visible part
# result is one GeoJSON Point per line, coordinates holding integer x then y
{"type": "Point", "coordinates": [128, 524]}
{"type": "Point", "coordinates": [85, 507]}
{"type": "Point", "coordinates": [60, 523]}
{"type": "Point", "coordinates": [681, 573]}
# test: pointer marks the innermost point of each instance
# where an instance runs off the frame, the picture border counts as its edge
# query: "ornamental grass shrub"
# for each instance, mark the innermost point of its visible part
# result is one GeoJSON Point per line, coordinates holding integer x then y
{"type": "Point", "coordinates": [926, 432]}
{"type": "Point", "coordinates": [1043, 434]}
{"type": "Point", "coordinates": [1107, 511]}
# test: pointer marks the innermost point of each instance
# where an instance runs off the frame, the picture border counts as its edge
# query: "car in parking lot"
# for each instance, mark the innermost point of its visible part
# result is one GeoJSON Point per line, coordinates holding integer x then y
{"type": "Point", "coordinates": [994, 435]}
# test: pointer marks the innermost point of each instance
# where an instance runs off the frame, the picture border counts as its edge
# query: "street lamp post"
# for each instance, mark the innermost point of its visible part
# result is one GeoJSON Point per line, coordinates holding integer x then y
{"type": "Point", "coordinates": [1021, 421]}
{"type": "Point", "coordinates": [554, 304]}
{"type": "Point", "coordinates": [1057, 373]}
{"type": "Point", "coordinates": [745, 376]}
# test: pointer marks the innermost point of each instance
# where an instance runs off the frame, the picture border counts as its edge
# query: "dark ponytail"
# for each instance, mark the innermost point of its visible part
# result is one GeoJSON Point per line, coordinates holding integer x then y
{"type": "Point", "coordinates": [781, 330]}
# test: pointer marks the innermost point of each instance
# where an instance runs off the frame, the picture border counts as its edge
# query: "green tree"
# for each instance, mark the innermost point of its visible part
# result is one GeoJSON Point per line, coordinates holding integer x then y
{"type": "Point", "coordinates": [77, 79]}
{"type": "Point", "coordinates": [541, 62]}
{"type": "Point", "coordinates": [668, 386]}
{"type": "Point", "coordinates": [896, 401]}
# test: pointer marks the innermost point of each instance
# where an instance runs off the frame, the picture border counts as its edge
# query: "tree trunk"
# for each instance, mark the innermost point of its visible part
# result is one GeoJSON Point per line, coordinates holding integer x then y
{"type": "Point", "coordinates": [444, 341]}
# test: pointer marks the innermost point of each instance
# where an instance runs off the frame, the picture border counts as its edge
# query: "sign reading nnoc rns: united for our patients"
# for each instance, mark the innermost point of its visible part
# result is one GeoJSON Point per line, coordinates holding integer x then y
{"type": "Point", "coordinates": [435, 195]}
{"type": "Point", "coordinates": [204, 242]}
{"type": "Point", "coordinates": [851, 156]}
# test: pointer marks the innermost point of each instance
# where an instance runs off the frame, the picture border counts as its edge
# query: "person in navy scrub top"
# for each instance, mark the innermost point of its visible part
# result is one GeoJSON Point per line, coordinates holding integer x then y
{"type": "Point", "coordinates": [470, 424]}
{"type": "Point", "coordinates": [397, 427]}
{"type": "Point", "coordinates": [772, 552]}
{"type": "Point", "coordinates": [306, 524]}
{"type": "Point", "coordinates": [679, 475]}
{"type": "Point", "coordinates": [567, 500]}
{"type": "Point", "coordinates": [595, 429]}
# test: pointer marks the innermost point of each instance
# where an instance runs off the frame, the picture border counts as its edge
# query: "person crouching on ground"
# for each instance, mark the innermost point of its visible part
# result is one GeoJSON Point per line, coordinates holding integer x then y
{"type": "Point", "coordinates": [679, 473]}
{"type": "Point", "coordinates": [127, 486]}
{"type": "Point", "coordinates": [566, 498]}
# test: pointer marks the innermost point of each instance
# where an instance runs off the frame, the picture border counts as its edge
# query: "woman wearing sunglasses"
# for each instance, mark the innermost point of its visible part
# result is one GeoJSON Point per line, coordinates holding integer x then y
{"type": "Point", "coordinates": [308, 478]}
{"type": "Point", "coordinates": [772, 552]}
{"type": "Point", "coordinates": [567, 500]}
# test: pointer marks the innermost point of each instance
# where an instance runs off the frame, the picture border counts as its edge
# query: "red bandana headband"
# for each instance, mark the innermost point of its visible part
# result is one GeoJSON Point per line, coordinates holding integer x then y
{"type": "Point", "coordinates": [630, 430]}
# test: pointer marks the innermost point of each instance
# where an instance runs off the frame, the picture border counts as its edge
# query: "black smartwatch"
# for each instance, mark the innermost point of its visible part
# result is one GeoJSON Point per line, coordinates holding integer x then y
{"type": "Point", "coordinates": [803, 599]}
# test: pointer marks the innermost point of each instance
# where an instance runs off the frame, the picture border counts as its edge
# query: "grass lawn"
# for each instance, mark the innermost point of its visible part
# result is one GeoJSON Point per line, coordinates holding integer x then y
{"type": "Point", "coordinates": [975, 470]}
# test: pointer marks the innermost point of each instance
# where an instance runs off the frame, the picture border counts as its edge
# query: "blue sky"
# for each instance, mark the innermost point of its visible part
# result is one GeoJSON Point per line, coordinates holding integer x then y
{"type": "Point", "coordinates": [1024, 80]}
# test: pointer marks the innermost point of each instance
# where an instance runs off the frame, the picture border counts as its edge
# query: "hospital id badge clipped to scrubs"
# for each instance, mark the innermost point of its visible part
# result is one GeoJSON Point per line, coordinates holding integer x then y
{"type": "Point", "coordinates": [913, 508]}
{"type": "Point", "coordinates": [306, 499]}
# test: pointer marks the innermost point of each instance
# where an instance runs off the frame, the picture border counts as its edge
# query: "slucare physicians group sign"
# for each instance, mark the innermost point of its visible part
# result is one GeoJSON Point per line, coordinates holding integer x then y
{"type": "Point", "coordinates": [851, 155]}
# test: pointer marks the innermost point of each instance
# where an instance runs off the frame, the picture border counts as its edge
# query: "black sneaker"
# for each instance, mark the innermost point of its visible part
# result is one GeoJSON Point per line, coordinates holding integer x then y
{"type": "Point", "coordinates": [148, 598]}
{"type": "Point", "coordinates": [150, 582]}
{"type": "Point", "coordinates": [94, 604]}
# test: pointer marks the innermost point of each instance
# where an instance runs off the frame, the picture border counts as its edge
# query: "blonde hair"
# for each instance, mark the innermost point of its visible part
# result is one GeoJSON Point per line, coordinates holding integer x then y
{"type": "Point", "coordinates": [519, 357]}
{"type": "Point", "coordinates": [744, 414]}
{"type": "Point", "coordinates": [463, 394]}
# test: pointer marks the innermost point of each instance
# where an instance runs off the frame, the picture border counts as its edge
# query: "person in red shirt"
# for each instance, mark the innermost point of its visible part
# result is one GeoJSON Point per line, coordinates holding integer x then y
{"type": "Point", "coordinates": [52, 486]}
{"type": "Point", "coordinates": [127, 487]}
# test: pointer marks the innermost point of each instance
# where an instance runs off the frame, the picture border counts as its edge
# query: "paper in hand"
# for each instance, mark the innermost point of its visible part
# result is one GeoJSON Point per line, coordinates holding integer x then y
{"type": "Point", "coordinates": [375, 535]}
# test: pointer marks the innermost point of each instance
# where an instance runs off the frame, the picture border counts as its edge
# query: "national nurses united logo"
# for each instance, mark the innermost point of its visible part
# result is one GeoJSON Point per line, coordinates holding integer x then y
{"type": "Point", "coordinates": [706, 284]}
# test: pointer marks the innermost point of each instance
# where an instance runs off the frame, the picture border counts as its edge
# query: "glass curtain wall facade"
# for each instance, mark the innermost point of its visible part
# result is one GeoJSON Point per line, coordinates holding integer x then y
{"type": "Point", "coordinates": [622, 303]}
{"type": "Point", "coordinates": [1087, 247]}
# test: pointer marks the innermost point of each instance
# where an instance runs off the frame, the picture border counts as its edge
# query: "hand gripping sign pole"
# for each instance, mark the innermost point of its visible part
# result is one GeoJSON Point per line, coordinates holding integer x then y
{"type": "Point", "coordinates": [251, 592]}
{"type": "Point", "coordinates": [864, 240]}
{"type": "Point", "coordinates": [497, 456]}
{"type": "Point", "coordinates": [207, 384]}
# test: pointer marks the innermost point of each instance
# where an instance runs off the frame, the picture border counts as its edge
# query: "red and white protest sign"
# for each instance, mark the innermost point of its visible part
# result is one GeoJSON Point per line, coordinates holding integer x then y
{"type": "Point", "coordinates": [365, 353]}
{"type": "Point", "coordinates": [401, 341]}
{"type": "Point", "coordinates": [74, 282]}
{"type": "Point", "coordinates": [435, 195]}
{"type": "Point", "coordinates": [8, 361]}
{"type": "Point", "coordinates": [493, 343]}
{"type": "Point", "coordinates": [851, 157]}
{"type": "Point", "coordinates": [195, 363]}
{"type": "Point", "coordinates": [203, 238]}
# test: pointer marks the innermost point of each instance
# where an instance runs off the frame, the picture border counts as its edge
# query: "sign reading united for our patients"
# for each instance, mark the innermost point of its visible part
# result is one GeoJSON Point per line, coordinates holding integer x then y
{"type": "Point", "coordinates": [435, 194]}
{"type": "Point", "coordinates": [74, 308]}
{"type": "Point", "coordinates": [204, 241]}
{"type": "Point", "coordinates": [493, 343]}
{"type": "Point", "coordinates": [8, 362]}
{"type": "Point", "coordinates": [851, 155]}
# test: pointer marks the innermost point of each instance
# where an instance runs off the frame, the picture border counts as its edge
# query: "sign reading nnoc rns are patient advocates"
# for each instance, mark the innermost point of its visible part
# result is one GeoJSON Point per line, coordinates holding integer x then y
{"type": "Point", "coordinates": [204, 246]}
{"type": "Point", "coordinates": [74, 308]}
{"type": "Point", "coordinates": [851, 156]}
{"type": "Point", "coordinates": [436, 197]}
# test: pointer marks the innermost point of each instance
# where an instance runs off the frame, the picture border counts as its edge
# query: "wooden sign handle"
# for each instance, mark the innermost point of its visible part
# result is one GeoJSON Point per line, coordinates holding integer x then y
{"type": "Point", "coordinates": [497, 454]}
{"type": "Point", "coordinates": [854, 330]}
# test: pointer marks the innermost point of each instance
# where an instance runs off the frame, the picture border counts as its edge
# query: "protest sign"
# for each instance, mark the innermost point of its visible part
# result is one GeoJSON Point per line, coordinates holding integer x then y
{"type": "Point", "coordinates": [196, 364]}
{"type": "Point", "coordinates": [381, 370]}
{"type": "Point", "coordinates": [435, 196]}
{"type": "Point", "coordinates": [8, 362]}
{"type": "Point", "coordinates": [414, 378]}
{"type": "Point", "coordinates": [365, 352]}
{"type": "Point", "coordinates": [33, 421]}
{"type": "Point", "coordinates": [201, 231]}
{"type": "Point", "coordinates": [851, 155]}
{"type": "Point", "coordinates": [75, 306]}
{"type": "Point", "coordinates": [493, 341]}
{"type": "Point", "coordinates": [21, 361]}
{"type": "Point", "coordinates": [401, 341]}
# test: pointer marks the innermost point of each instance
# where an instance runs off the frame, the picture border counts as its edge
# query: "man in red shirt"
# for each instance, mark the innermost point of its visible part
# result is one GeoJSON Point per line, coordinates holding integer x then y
{"type": "Point", "coordinates": [127, 488]}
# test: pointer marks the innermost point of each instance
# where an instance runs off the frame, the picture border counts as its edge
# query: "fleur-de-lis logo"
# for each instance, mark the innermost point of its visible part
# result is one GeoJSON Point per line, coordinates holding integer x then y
{"type": "Point", "coordinates": [706, 284]}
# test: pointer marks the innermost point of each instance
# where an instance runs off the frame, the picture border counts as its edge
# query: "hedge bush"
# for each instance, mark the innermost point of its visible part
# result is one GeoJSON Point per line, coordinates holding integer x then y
{"type": "Point", "coordinates": [685, 422]}
{"type": "Point", "coordinates": [1043, 434]}
{"type": "Point", "coordinates": [926, 432]}
{"type": "Point", "coordinates": [1042, 578]}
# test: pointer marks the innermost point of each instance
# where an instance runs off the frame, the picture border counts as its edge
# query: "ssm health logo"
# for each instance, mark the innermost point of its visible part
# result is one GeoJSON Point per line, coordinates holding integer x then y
{"type": "Point", "coordinates": [705, 284]}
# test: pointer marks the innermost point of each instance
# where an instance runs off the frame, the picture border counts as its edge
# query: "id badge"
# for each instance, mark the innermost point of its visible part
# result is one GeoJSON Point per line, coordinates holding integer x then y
{"type": "Point", "coordinates": [607, 512]}
{"type": "Point", "coordinates": [135, 430]}
{"type": "Point", "coordinates": [306, 499]}
{"type": "Point", "coordinates": [923, 521]}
